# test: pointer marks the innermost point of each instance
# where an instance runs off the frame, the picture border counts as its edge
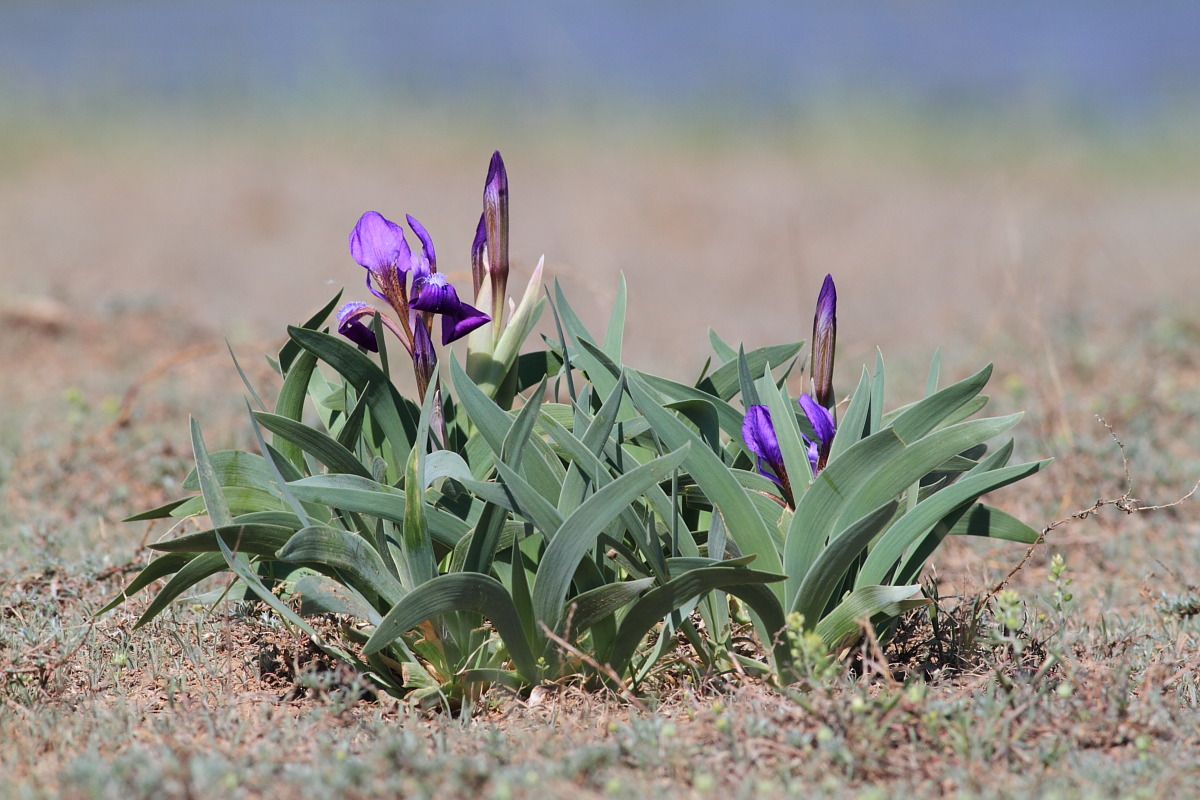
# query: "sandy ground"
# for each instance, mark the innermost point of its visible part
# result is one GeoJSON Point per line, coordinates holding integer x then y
{"type": "Point", "coordinates": [241, 231]}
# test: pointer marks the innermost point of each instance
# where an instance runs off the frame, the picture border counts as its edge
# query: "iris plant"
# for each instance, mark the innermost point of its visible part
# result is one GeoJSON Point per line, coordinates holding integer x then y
{"type": "Point", "coordinates": [758, 432]}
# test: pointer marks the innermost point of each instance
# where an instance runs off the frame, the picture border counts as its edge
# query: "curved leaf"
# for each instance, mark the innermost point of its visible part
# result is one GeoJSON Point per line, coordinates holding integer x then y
{"type": "Point", "coordinates": [578, 533]}
{"type": "Point", "coordinates": [459, 591]}
{"type": "Point", "coordinates": [867, 603]}
{"type": "Point", "coordinates": [659, 602]}
{"type": "Point", "coordinates": [348, 553]}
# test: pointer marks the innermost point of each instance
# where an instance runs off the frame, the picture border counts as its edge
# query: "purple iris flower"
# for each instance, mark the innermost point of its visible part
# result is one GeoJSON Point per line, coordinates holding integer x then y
{"type": "Point", "coordinates": [759, 435]}
{"type": "Point", "coordinates": [823, 428]}
{"type": "Point", "coordinates": [435, 295]}
{"type": "Point", "coordinates": [823, 339]}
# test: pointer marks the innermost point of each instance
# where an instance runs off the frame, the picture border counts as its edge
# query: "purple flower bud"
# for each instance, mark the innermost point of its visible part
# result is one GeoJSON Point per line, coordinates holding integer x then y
{"type": "Point", "coordinates": [495, 214]}
{"type": "Point", "coordinates": [350, 324]}
{"type": "Point", "coordinates": [823, 339]}
{"type": "Point", "coordinates": [423, 356]}
{"type": "Point", "coordinates": [478, 249]}
{"type": "Point", "coordinates": [759, 435]}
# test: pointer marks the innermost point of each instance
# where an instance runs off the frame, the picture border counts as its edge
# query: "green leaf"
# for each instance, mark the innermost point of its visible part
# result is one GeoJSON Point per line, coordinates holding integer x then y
{"type": "Point", "coordinates": [416, 543]}
{"type": "Point", "coordinates": [396, 416]}
{"type": "Point", "coordinates": [724, 382]}
{"type": "Point", "coordinates": [161, 512]}
{"type": "Point", "coordinates": [259, 540]}
{"type": "Point", "coordinates": [787, 431]}
{"type": "Point", "coordinates": [234, 468]}
{"type": "Point", "coordinates": [742, 521]}
{"type": "Point", "coordinates": [993, 523]}
{"type": "Point", "coordinates": [352, 493]}
{"type": "Point", "coordinates": [925, 415]}
{"type": "Point", "coordinates": [208, 480]}
{"type": "Point", "coordinates": [157, 569]}
{"type": "Point", "coordinates": [867, 475]}
{"type": "Point", "coordinates": [921, 519]}
{"type": "Point", "coordinates": [290, 405]}
{"type": "Point", "coordinates": [594, 605]}
{"type": "Point", "coordinates": [616, 324]}
{"type": "Point", "coordinates": [722, 350]}
{"type": "Point", "coordinates": [851, 427]}
{"type": "Point", "coordinates": [197, 568]}
{"type": "Point", "coordinates": [491, 421]}
{"type": "Point", "coordinates": [661, 601]}
{"type": "Point", "coordinates": [459, 591]}
{"type": "Point", "coordinates": [666, 391]}
{"type": "Point", "coordinates": [304, 438]}
{"type": "Point", "coordinates": [532, 504]}
{"type": "Point", "coordinates": [579, 531]}
{"type": "Point", "coordinates": [867, 603]}
{"type": "Point", "coordinates": [825, 574]}
{"type": "Point", "coordinates": [323, 595]}
{"type": "Point", "coordinates": [348, 553]}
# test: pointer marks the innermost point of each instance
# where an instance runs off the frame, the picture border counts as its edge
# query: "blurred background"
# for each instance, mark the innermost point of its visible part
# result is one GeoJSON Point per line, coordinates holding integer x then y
{"type": "Point", "coordinates": [967, 171]}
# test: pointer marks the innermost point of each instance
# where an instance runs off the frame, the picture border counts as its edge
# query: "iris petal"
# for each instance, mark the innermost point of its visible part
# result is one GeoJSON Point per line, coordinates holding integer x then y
{"type": "Point", "coordinates": [819, 417]}
{"type": "Point", "coordinates": [456, 326]}
{"type": "Point", "coordinates": [435, 294]}
{"type": "Point", "coordinates": [350, 324]}
{"type": "Point", "coordinates": [426, 239]}
{"type": "Point", "coordinates": [377, 243]}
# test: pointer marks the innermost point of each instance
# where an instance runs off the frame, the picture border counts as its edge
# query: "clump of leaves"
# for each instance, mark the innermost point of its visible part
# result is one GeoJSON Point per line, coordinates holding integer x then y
{"type": "Point", "coordinates": [533, 515]}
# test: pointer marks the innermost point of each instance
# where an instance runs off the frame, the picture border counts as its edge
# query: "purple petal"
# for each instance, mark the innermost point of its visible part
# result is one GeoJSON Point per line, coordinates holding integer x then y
{"type": "Point", "coordinates": [350, 324]}
{"type": "Point", "coordinates": [456, 326]}
{"type": "Point", "coordinates": [820, 418]}
{"type": "Point", "coordinates": [426, 242]}
{"type": "Point", "coordinates": [377, 243]}
{"type": "Point", "coordinates": [497, 180]}
{"type": "Point", "coordinates": [759, 435]}
{"type": "Point", "coordinates": [434, 293]}
{"type": "Point", "coordinates": [814, 453]}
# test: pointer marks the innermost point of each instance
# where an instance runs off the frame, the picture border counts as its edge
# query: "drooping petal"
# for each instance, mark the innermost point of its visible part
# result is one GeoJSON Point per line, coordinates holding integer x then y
{"type": "Point", "coordinates": [435, 294]}
{"type": "Point", "coordinates": [351, 325]}
{"type": "Point", "coordinates": [456, 326]}
{"type": "Point", "coordinates": [823, 340]}
{"type": "Point", "coordinates": [759, 435]}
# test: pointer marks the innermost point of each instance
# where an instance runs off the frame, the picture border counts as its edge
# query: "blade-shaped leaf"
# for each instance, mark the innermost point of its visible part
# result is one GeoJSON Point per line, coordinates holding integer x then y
{"type": "Point", "coordinates": [459, 591]}
{"type": "Point", "coordinates": [578, 533]}
{"type": "Point", "coordinates": [348, 553]}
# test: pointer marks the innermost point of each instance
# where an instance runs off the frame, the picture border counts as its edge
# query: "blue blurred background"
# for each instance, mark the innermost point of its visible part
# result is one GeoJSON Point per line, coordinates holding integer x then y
{"type": "Point", "coordinates": [975, 164]}
{"type": "Point", "coordinates": [1115, 60]}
